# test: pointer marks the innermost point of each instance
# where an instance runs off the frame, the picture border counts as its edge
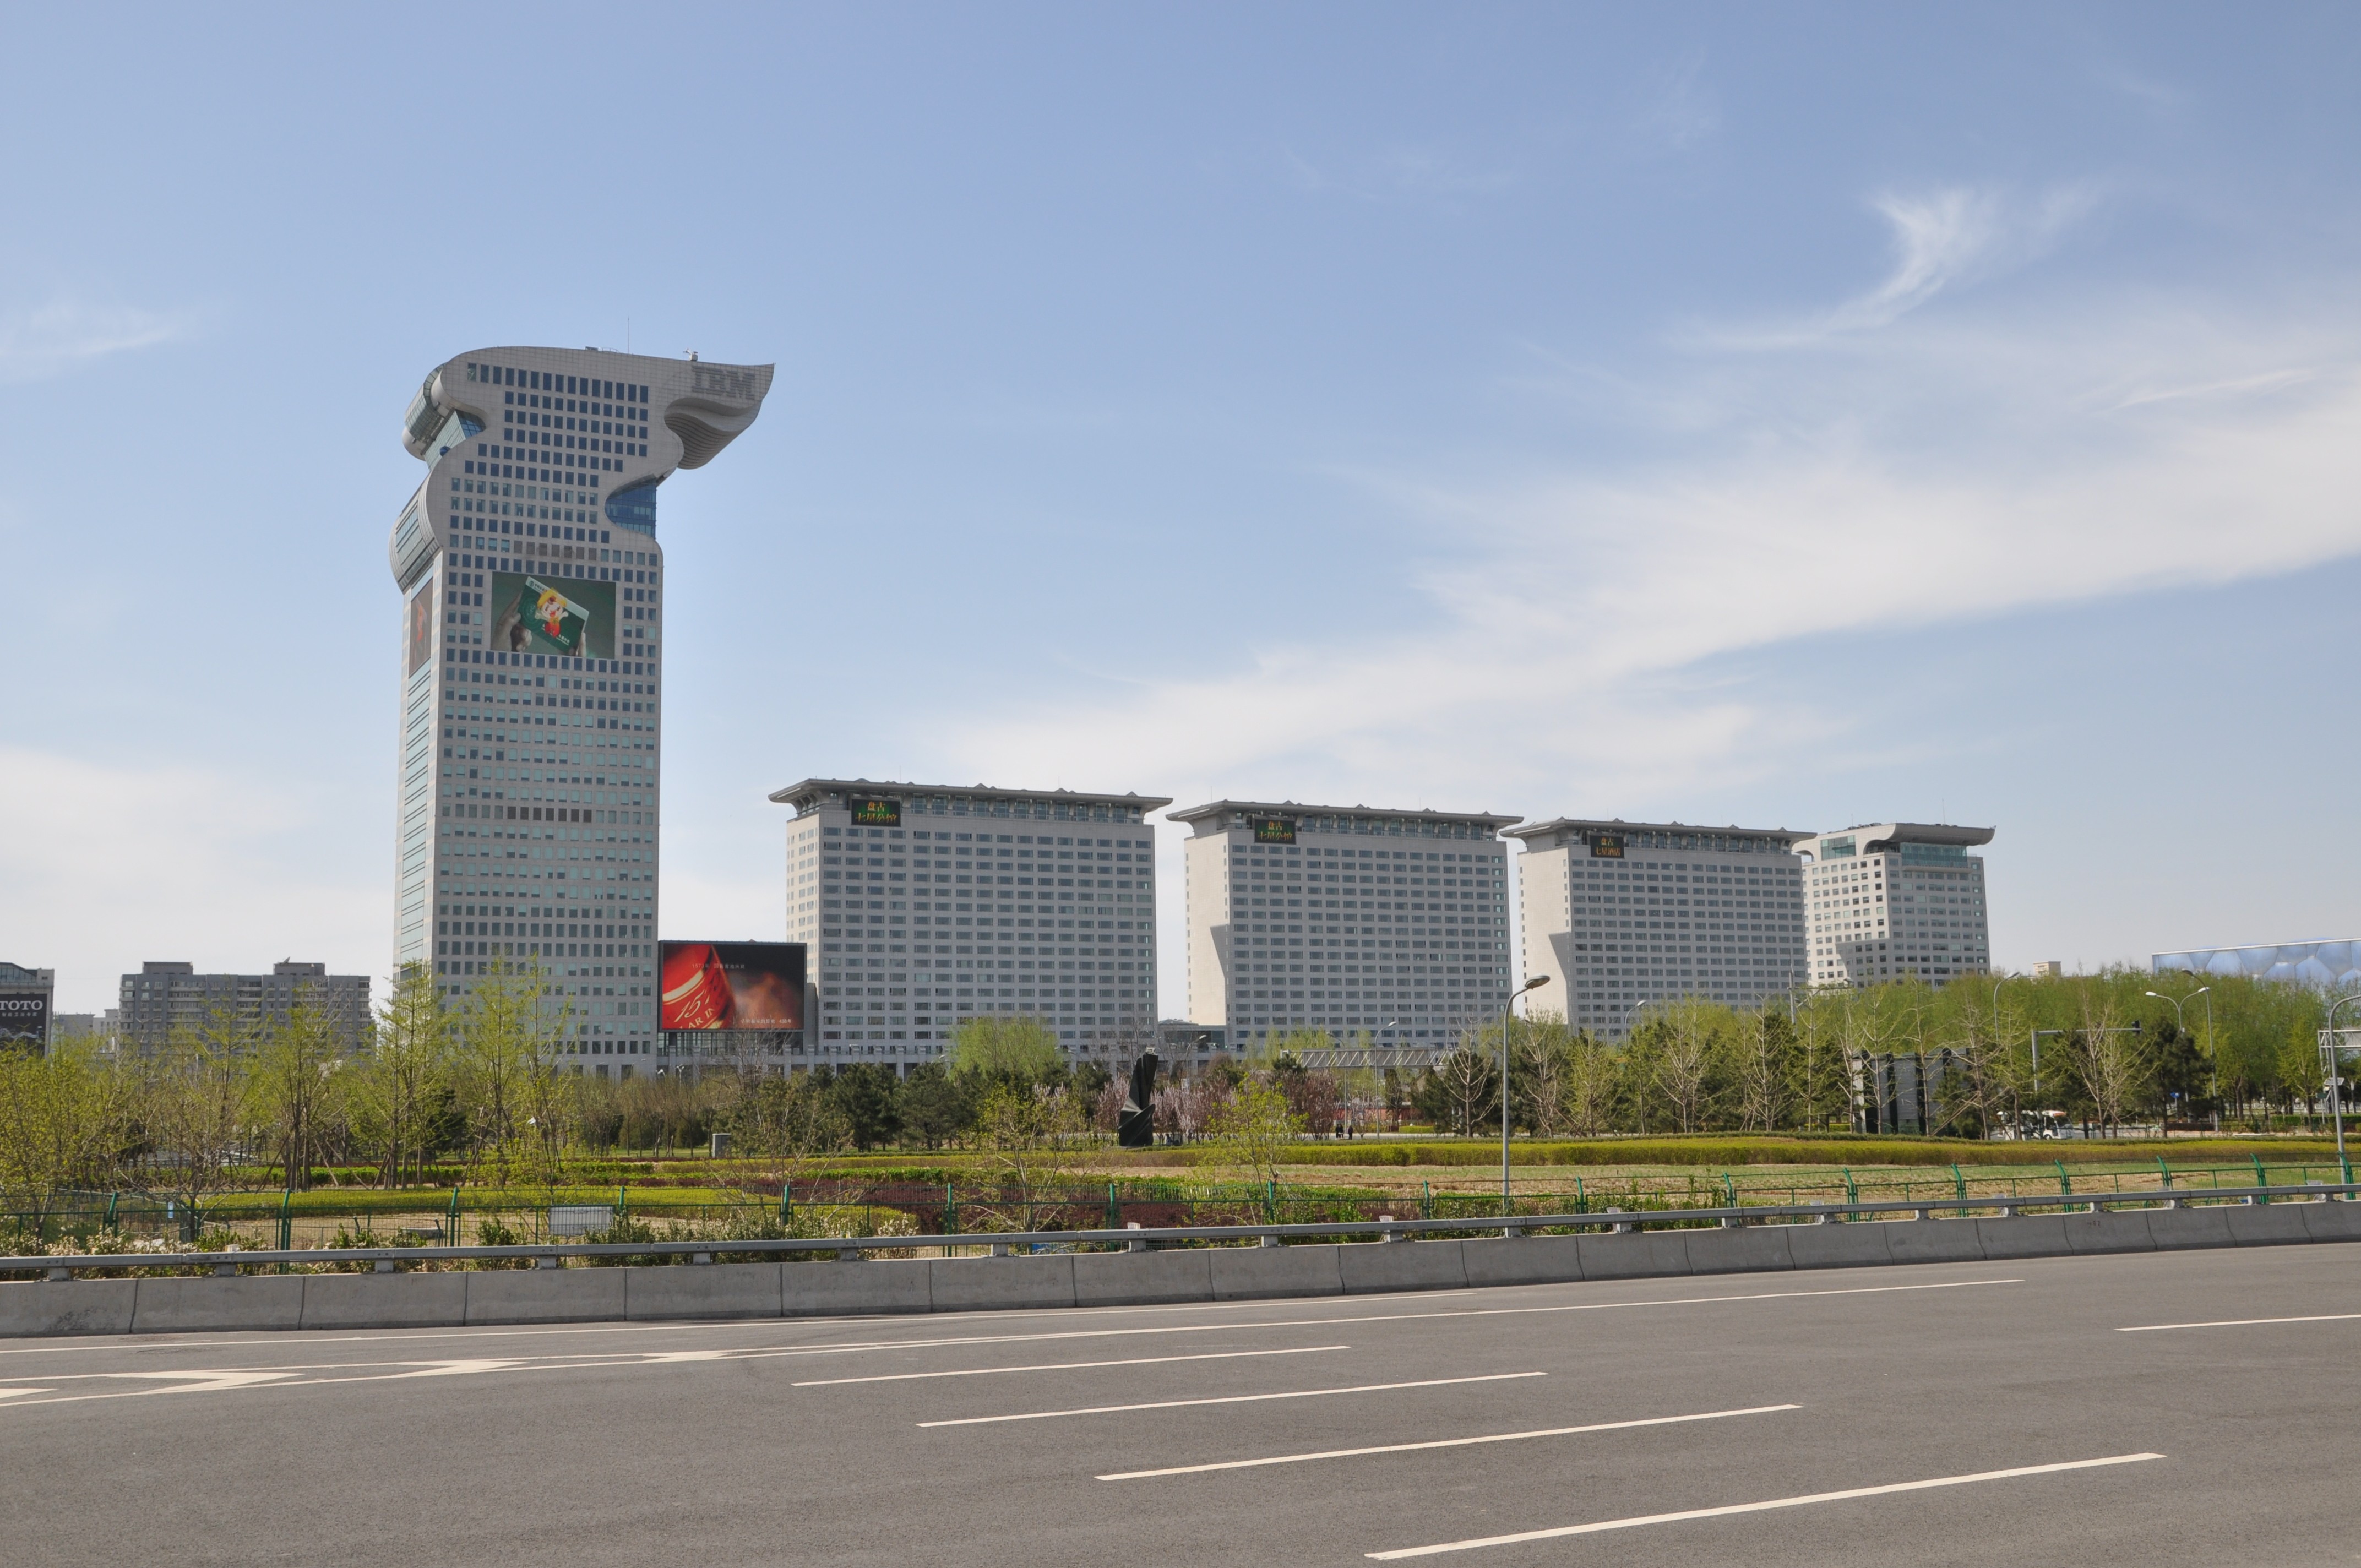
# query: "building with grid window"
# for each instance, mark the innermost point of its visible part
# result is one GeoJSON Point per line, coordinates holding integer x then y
{"type": "Point", "coordinates": [531, 669]}
{"type": "Point", "coordinates": [1895, 899]}
{"type": "Point", "coordinates": [1623, 914]}
{"type": "Point", "coordinates": [1389, 923]}
{"type": "Point", "coordinates": [167, 998]}
{"type": "Point", "coordinates": [923, 905]}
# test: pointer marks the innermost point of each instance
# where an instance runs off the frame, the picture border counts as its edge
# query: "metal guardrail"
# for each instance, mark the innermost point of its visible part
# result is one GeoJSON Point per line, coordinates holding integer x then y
{"type": "Point", "coordinates": [848, 1248]}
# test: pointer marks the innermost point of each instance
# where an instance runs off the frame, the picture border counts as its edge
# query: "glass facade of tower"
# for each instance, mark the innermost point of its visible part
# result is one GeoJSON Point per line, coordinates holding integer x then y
{"type": "Point", "coordinates": [532, 673]}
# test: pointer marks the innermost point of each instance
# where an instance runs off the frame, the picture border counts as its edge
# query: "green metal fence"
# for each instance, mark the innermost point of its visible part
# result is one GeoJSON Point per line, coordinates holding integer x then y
{"type": "Point", "coordinates": [461, 1216]}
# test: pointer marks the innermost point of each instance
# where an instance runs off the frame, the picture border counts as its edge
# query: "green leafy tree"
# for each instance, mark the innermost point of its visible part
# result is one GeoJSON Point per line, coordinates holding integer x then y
{"type": "Point", "coordinates": [935, 1108]}
{"type": "Point", "coordinates": [397, 1090]}
{"type": "Point", "coordinates": [1011, 1049]}
{"type": "Point", "coordinates": [512, 1033]}
{"type": "Point", "coordinates": [1253, 1132]}
{"type": "Point", "coordinates": [2301, 1069]}
{"type": "Point", "coordinates": [64, 1126]}
{"type": "Point", "coordinates": [869, 1095]}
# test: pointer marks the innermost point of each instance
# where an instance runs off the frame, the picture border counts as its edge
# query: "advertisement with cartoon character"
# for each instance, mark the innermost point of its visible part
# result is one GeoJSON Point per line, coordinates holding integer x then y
{"type": "Point", "coordinates": [531, 614]}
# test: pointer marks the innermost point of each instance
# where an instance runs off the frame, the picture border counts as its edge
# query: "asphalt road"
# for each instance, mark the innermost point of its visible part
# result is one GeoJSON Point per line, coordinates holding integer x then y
{"type": "Point", "coordinates": [1325, 1431]}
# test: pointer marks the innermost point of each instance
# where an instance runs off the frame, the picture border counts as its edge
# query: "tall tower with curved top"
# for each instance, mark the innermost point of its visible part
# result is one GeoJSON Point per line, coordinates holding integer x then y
{"type": "Point", "coordinates": [533, 669]}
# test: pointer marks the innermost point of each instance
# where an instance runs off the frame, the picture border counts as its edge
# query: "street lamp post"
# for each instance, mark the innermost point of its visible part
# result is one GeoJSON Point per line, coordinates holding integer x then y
{"type": "Point", "coordinates": [2335, 1100]}
{"type": "Point", "coordinates": [2181, 1024]}
{"type": "Point", "coordinates": [1538, 980]}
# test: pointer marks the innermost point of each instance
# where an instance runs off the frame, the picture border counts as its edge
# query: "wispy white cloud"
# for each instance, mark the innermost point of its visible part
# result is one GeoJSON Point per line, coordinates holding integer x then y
{"type": "Point", "coordinates": [1941, 240]}
{"type": "Point", "coordinates": [1678, 109]}
{"type": "Point", "coordinates": [1397, 174]}
{"type": "Point", "coordinates": [1963, 470]}
{"type": "Point", "coordinates": [46, 340]}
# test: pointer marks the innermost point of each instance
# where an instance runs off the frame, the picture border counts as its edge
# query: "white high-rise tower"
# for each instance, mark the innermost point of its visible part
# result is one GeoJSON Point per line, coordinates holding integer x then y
{"type": "Point", "coordinates": [531, 666]}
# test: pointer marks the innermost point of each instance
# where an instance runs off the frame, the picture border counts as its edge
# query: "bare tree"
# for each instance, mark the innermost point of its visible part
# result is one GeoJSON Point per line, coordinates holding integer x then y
{"type": "Point", "coordinates": [1688, 1035]}
{"type": "Point", "coordinates": [1461, 1091]}
{"type": "Point", "coordinates": [2110, 1061]}
{"type": "Point", "coordinates": [194, 1107]}
{"type": "Point", "coordinates": [1541, 1072]}
{"type": "Point", "coordinates": [1762, 1053]}
{"type": "Point", "coordinates": [1592, 1083]}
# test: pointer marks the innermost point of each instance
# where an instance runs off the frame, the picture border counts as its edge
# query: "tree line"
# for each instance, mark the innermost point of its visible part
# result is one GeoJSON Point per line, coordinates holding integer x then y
{"type": "Point", "coordinates": [1997, 1051]}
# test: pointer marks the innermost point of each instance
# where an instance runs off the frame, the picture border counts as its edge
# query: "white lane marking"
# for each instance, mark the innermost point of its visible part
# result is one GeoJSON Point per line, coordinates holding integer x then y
{"type": "Point", "coordinates": [2242, 1322]}
{"type": "Point", "coordinates": [1065, 1366]}
{"type": "Point", "coordinates": [1798, 1502]}
{"type": "Point", "coordinates": [197, 1382]}
{"type": "Point", "coordinates": [20, 1393]}
{"type": "Point", "coordinates": [1233, 1399]}
{"type": "Point", "coordinates": [1442, 1443]}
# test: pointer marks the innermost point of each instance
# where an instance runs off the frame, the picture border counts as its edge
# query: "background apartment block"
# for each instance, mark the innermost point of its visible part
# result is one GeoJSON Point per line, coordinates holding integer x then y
{"type": "Point", "coordinates": [165, 997]}
{"type": "Point", "coordinates": [1346, 919]}
{"type": "Point", "coordinates": [1896, 898]}
{"type": "Point", "coordinates": [531, 669]}
{"type": "Point", "coordinates": [922, 905]}
{"type": "Point", "coordinates": [1622, 914]}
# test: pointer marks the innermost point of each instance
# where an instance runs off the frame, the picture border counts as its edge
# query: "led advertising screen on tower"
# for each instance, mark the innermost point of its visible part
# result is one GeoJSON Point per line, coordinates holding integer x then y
{"type": "Point", "coordinates": [1274, 830]}
{"type": "Point", "coordinates": [731, 985]}
{"type": "Point", "coordinates": [532, 614]}
{"type": "Point", "coordinates": [421, 626]}
{"type": "Point", "coordinates": [875, 811]}
{"type": "Point", "coordinates": [1605, 846]}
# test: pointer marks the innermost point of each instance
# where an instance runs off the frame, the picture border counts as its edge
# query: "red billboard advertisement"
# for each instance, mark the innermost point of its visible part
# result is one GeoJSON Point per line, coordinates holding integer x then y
{"type": "Point", "coordinates": [731, 985]}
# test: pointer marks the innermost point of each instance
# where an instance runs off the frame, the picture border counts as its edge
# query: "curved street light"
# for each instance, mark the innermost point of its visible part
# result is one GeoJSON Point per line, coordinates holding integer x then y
{"type": "Point", "coordinates": [1535, 983]}
{"type": "Point", "coordinates": [2335, 1100]}
{"type": "Point", "coordinates": [2181, 1023]}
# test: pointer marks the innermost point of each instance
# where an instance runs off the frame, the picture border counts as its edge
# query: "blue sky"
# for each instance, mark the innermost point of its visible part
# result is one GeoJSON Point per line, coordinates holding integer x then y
{"type": "Point", "coordinates": [1788, 416]}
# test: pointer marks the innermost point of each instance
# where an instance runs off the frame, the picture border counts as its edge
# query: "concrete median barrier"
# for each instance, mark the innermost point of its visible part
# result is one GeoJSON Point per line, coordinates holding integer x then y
{"type": "Point", "coordinates": [1371, 1267]}
{"type": "Point", "coordinates": [2022, 1235]}
{"type": "Point", "coordinates": [36, 1308]}
{"type": "Point", "coordinates": [1247, 1273]}
{"type": "Point", "coordinates": [1637, 1255]}
{"type": "Point", "coordinates": [2268, 1225]}
{"type": "Point", "coordinates": [2177, 1230]}
{"type": "Point", "coordinates": [703, 1291]}
{"type": "Point", "coordinates": [1523, 1260]}
{"type": "Point", "coordinates": [208, 1304]}
{"type": "Point", "coordinates": [1838, 1245]}
{"type": "Point", "coordinates": [1745, 1249]}
{"type": "Point", "coordinates": [385, 1301]}
{"type": "Point", "coordinates": [2121, 1230]}
{"type": "Point", "coordinates": [987, 1284]}
{"type": "Point", "coordinates": [1143, 1278]}
{"type": "Point", "coordinates": [2333, 1221]}
{"type": "Point", "coordinates": [880, 1286]}
{"type": "Point", "coordinates": [545, 1296]}
{"type": "Point", "coordinates": [1935, 1241]}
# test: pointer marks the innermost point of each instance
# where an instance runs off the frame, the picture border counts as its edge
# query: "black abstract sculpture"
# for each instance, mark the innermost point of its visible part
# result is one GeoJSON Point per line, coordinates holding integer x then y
{"type": "Point", "coordinates": [1134, 1125]}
